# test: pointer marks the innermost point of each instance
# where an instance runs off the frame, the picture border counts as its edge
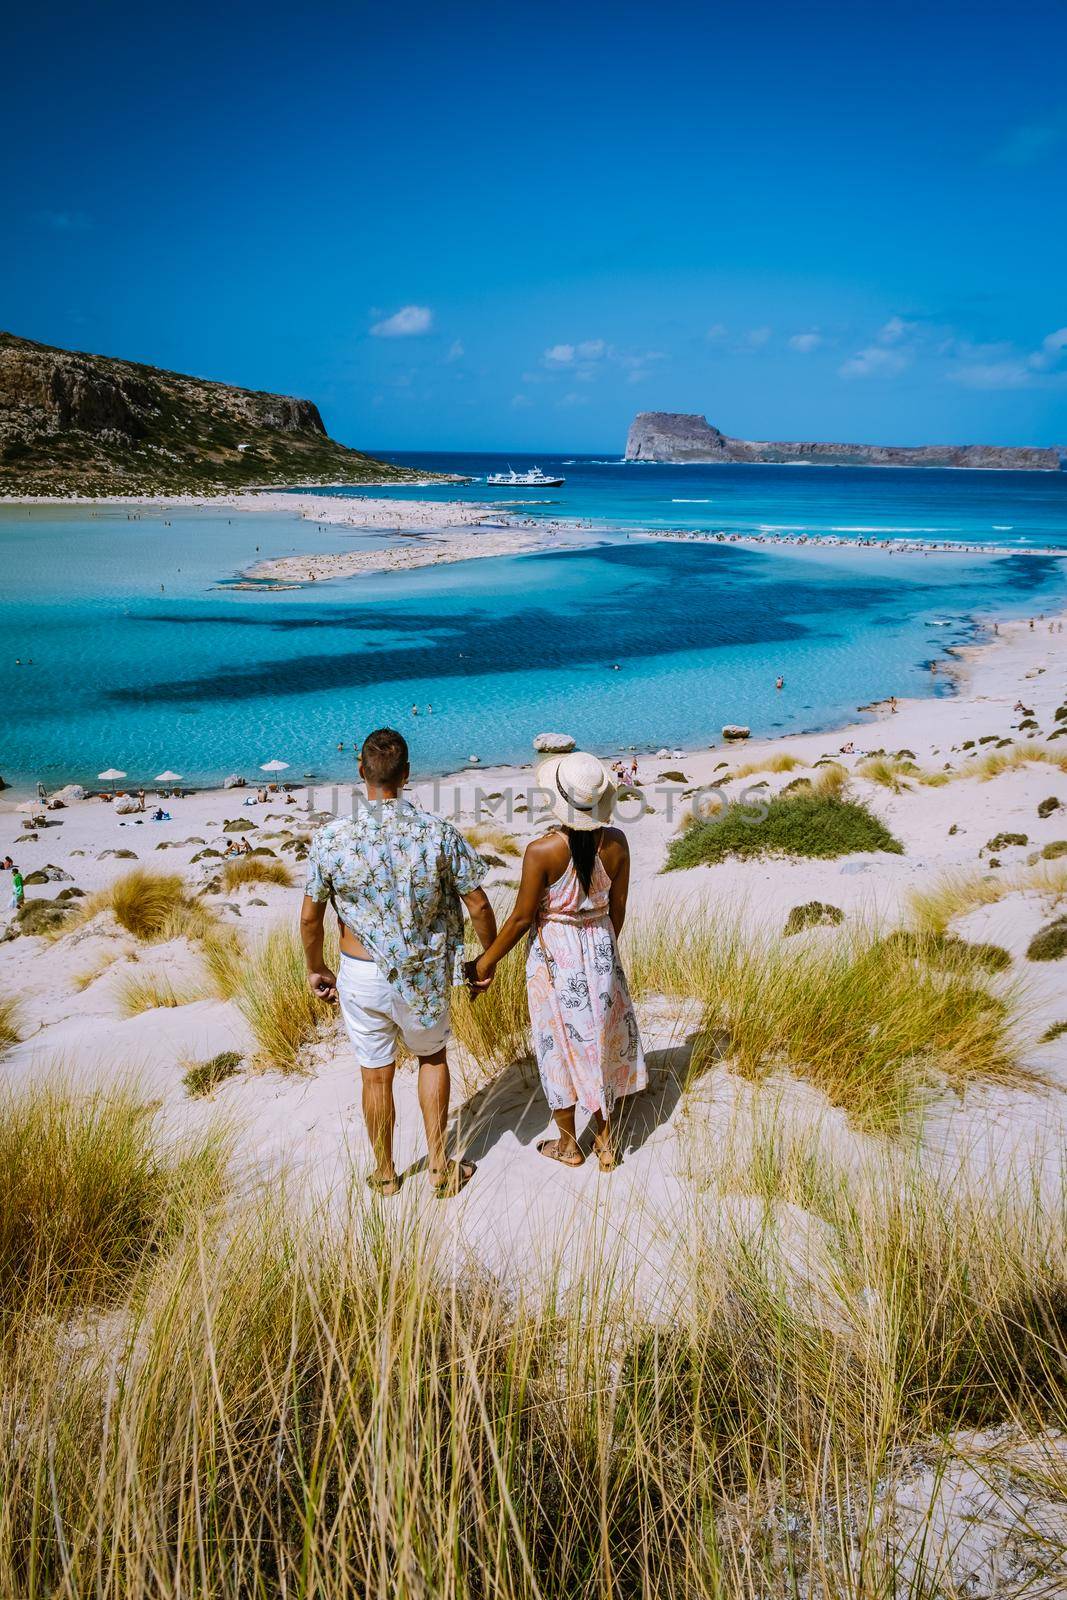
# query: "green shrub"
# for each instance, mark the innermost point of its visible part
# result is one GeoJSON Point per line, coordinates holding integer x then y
{"type": "Point", "coordinates": [1049, 943]}
{"type": "Point", "coordinates": [799, 824]}
{"type": "Point", "coordinates": [947, 948]}
{"type": "Point", "coordinates": [813, 914]}
{"type": "Point", "coordinates": [1047, 807]}
{"type": "Point", "coordinates": [201, 1077]}
{"type": "Point", "coordinates": [1003, 841]}
{"type": "Point", "coordinates": [1056, 1031]}
{"type": "Point", "coordinates": [1054, 850]}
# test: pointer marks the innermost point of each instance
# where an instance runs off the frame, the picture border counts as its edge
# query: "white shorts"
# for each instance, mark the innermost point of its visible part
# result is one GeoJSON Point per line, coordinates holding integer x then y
{"type": "Point", "coordinates": [376, 1015]}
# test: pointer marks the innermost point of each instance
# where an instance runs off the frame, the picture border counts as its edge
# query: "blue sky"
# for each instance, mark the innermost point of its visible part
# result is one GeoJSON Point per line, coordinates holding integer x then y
{"type": "Point", "coordinates": [513, 226]}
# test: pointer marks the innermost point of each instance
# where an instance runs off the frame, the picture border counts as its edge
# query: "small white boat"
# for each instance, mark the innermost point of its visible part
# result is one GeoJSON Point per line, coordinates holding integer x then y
{"type": "Point", "coordinates": [534, 479]}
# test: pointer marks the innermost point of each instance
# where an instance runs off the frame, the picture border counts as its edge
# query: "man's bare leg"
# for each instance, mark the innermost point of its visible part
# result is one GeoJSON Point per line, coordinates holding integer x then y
{"type": "Point", "coordinates": [379, 1113]}
{"type": "Point", "coordinates": [434, 1089]}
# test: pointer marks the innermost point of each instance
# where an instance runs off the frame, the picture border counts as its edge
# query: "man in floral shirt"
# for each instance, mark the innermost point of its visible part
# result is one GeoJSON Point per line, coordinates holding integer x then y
{"type": "Point", "coordinates": [396, 876]}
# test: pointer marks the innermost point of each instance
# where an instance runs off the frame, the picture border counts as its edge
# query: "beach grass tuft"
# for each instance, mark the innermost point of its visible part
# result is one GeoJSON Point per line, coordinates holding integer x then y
{"type": "Point", "coordinates": [152, 991]}
{"type": "Point", "coordinates": [256, 869]}
{"type": "Point", "coordinates": [152, 906]}
{"type": "Point", "coordinates": [783, 761]}
{"type": "Point", "coordinates": [494, 1029]}
{"type": "Point", "coordinates": [490, 836]}
{"type": "Point", "coordinates": [268, 982]}
{"type": "Point", "coordinates": [9, 1021]}
{"type": "Point", "coordinates": [86, 1195]}
{"type": "Point", "coordinates": [871, 1022]}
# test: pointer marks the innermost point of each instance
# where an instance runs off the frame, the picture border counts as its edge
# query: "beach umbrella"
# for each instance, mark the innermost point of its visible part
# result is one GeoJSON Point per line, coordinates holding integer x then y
{"type": "Point", "coordinates": [167, 777]}
{"type": "Point", "coordinates": [111, 775]}
{"type": "Point", "coordinates": [275, 766]}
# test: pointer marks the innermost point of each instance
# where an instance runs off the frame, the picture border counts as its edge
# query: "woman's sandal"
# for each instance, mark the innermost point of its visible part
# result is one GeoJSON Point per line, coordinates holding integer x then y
{"type": "Point", "coordinates": [606, 1157]}
{"type": "Point", "coordinates": [457, 1177]}
{"type": "Point", "coordinates": [386, 1187]}
{"type": "Point", "coordinates": [549, 1148]}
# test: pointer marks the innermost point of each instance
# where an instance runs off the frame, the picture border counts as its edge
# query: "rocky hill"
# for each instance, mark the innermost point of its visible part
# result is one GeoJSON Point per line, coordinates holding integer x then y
{"type": "Point", "coordinates": [686, 436]}
{"type": "Point", "coordinates": [72, 423]}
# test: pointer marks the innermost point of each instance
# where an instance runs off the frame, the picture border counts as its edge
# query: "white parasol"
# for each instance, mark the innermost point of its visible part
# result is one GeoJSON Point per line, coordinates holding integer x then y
{"type": "Point", "coordinates": [167, 777]}
{"type": "Point", "coordinates": [275, 766]}
{"type": "Point", "coordinates": [111, 775]}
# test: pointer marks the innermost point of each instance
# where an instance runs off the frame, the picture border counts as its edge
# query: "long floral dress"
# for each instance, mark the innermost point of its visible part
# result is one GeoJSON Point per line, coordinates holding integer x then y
{"type": "Point", "coordinates": [584, 1030]}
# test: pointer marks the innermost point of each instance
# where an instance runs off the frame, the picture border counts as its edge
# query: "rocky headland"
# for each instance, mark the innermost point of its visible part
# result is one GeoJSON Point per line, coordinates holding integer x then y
{"type": "Point", "coordinates": [674, 436]}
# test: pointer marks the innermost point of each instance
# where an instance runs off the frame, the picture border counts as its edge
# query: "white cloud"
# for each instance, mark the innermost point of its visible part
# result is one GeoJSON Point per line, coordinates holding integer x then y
{"type": "Point", "coordinates": [519, 401]}
{"type": "Point", "coordinates": [559, 355]}
{"type": "Point", "coordinates": [1053, 347]}
{"type": "Point", "coordinates": [893, 331]}
{"type": "Point", "coordinates": [591, 349]}
{"type": "Point", "coordinates": [874, 361]}
{"type": "Point", "coordinates": [756, 338]}
{"type": "Point", "coordinates": [992, 375]}
{"type": "Point", "coordinates": [573, 398]}
{"type": "Point", "coordinates": [403, 323]}
{"type": "Point", "coordinates": [805, 343]}
{"type": "Point", "coordinates": [456, 351]}
{"type": "Point", "coordinates": [717, 332]}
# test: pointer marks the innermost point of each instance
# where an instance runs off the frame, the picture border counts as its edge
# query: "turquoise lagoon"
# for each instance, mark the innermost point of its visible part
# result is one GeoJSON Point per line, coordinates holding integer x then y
{"type": "Point", "coordinates": [143, 658]}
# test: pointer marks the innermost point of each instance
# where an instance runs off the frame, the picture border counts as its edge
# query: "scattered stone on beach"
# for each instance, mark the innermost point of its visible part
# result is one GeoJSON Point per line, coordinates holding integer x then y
{"type": "Point", "coordinates": [69, 793]}
{"type": "Point", "coordinates": [735, 730]}
{"type": "Point", "coordinates": [127, 807]}
{"type": "Point", "coordinates": [552, 744]}
{"type": "Point", "coordinates": [234, 781]}
{"type": "Point", "coordinates": [48, 874]}
{"type": "Point", "coordinates": [120, 855]}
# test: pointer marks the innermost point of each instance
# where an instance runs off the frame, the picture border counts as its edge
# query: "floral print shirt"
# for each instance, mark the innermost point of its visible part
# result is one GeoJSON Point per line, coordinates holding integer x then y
{"type": "Point", "coordinates": [395, 875]}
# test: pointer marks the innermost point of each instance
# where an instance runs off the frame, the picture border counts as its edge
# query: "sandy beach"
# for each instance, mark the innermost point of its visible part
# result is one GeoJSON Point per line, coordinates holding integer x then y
{"type": "Point", "coordinates": [308, 1120]}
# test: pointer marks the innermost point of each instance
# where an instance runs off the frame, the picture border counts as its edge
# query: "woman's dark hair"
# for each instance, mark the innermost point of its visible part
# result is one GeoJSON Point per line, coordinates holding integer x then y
{"type": "Point", "coordinates": [584, 843]}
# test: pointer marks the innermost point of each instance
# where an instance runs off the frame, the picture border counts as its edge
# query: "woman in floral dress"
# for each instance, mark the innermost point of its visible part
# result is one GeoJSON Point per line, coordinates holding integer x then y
{"type": "Point", "coordinates": [572, 901]}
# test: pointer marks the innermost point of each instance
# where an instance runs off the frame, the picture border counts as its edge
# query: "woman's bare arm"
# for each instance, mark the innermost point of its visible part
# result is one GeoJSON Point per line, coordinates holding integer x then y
{"type": "Point", "coordinates": [619, 870]}
{"type": "Point", "coordinates": [536, 870]}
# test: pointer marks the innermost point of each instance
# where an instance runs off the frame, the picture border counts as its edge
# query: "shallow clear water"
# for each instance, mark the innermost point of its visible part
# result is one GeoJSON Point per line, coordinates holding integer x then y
{"type": "Point", "coordinates": [1003, 508]}
{"type": "Point", "coordinates": [141, 661]}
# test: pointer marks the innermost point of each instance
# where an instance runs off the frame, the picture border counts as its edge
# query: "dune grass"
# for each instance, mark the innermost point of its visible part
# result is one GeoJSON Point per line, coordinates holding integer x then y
{"type": "Point", "coordinates": [256, 869]}
{"type": "Point", "coordinates": [784, 761]}
{"type": "Point", "coordinates": [932, 909]}
{"type": "Point", "coordinates": [805, 822]}
{"type": "Point", "coordinates": [85, 1195]}
{"type": "Point", "coordinates": [152, 906]}
{"type": "Point", "coordinates": [495, 1028]}
{"type": "Point", "coordinates": [871, 1022]}
{"type": "Point", "coordinates": [152, 991]}
{"type": "Point", "coordinates": [9, 1022]}
{"type": "Point", "coordinates": [104, 962]}
{"type": "Point", "coordinates": [897, 773]}
{"type": "Point", "coordinates": [268, 982]}
{"type": "Point", "coordinates": [490, 836]}
{"type": "Point", "coordinates": [993, 762]}
{"type": "Point", "coordinates": [327, 1410]}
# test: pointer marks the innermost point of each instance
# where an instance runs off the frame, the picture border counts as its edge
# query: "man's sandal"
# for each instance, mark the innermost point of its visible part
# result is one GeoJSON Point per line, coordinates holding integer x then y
{"type": "Point", "coordinates": [550, 1149]}
{"type": "Point", "coordinates": [457, 1177]}
{"type": "Point", "coordinates": [386, 1187]}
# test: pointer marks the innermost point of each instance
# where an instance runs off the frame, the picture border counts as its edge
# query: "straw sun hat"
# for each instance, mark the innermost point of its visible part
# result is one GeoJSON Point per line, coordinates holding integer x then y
{"type": "Point", "coordinates": [582, 790]}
